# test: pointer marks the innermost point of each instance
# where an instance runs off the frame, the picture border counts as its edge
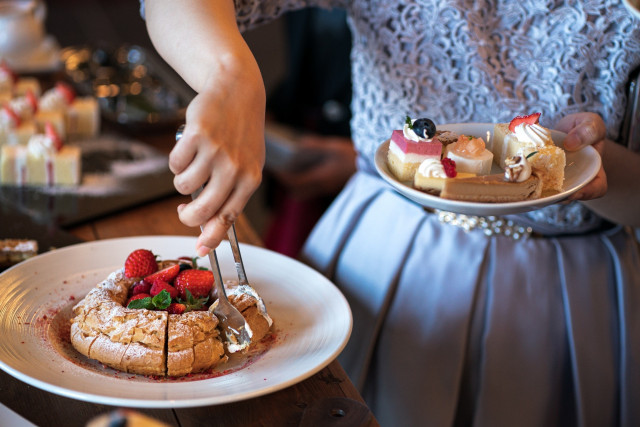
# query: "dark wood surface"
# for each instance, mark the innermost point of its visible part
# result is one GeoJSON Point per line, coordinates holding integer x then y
{"type": "Point", "coordinates": [326, 398]}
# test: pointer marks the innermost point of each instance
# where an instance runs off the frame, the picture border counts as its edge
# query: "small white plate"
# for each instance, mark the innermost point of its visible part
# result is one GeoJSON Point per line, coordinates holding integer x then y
{"type": "Point", "coordinates": [582, 166]}
{"type": "Point", "coordinates": [312, 323]}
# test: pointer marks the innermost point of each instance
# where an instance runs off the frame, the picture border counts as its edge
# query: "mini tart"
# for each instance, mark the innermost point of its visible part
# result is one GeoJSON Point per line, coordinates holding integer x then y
{"type": "Point", "coordinates": [491, 189]}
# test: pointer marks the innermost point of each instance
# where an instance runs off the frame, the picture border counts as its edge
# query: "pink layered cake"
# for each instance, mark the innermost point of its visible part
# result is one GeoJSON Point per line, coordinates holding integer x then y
{"type": "Point", "coordinates": [411, 146]}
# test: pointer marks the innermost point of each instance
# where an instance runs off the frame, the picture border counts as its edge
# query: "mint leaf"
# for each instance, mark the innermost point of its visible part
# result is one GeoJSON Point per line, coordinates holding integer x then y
{"type": "Point", "coordinates": [161, 300]}
{"type": "Point", "coordinates": [407, 120]}
{"type": "Point", "coordinates": [531, 154]}
{"type": "Point", "coordinates": [141, 303]}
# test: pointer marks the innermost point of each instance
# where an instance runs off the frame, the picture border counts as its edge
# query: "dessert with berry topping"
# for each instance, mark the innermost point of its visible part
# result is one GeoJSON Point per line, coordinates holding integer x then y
{"type": "Point", "coordinates": [156, 318]}
{"type": "Point", "coordinates": [432, 174]}
{"type": "Point", "coordinates": [524, 135]}
{"type": "Point", "coordinates": [44, 160]}
{"type": "Point", "coordinates": [409, 147]}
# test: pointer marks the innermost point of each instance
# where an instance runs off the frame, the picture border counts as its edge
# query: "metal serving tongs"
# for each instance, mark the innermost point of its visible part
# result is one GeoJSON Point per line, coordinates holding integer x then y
{"type": "Point", "coordinates": [232, 323]}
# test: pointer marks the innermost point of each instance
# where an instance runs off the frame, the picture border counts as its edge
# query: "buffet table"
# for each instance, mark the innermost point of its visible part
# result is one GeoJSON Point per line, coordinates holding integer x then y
{"type": "Point", "coordinates": [326, 398]}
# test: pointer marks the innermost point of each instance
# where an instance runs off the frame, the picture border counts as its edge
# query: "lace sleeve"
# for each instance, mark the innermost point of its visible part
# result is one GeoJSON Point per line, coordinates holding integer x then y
{"type": "Point", "coordinates": [251, 13]}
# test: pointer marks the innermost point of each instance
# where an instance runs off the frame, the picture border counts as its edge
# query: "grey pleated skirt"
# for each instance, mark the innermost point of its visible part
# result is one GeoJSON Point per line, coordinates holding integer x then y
{"type": "Point", "coordinates": [454, 327]}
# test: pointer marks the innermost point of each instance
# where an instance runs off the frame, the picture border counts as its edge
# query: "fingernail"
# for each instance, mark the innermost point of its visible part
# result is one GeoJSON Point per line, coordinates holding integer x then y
{"type": "Point", "coordinates": [203, 251]}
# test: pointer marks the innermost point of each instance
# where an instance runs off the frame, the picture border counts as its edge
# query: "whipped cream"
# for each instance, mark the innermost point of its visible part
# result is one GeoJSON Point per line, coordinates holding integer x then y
{"type": "Point", "coordinates": [533, 134]}
{"type": "Point", "coordinates": [408, 133]}
{"type": "Point", "coordinates": [432, 168]}
{"type": "Point", "coordinates": [53, 100]}
{"type": "Point", "coordinates": [517, 168]}
{"type": "Point", "coordinates": [41, 145]}
{"type": "Point", "coordinates": [7, 121]}
{"type": "Point", "coordinates": [22, 107]}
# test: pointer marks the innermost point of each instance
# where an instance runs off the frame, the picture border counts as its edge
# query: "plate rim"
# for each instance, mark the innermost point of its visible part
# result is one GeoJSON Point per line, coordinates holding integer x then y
{"type": "Point", "coordinates": [329, 355]}
{"type": "Point", "coordinates": [479, 208]}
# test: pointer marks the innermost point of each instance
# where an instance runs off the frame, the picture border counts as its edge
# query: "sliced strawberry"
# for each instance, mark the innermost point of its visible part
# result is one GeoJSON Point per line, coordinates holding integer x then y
{"type": "Point", "coordinates": [12, 115]}
{"type": "Point", "coordinates": [140, 263]}
{"type": "Point", "coordinates": [135, 297]}
{"type": "Point", "coordinates": [176, 308]}
{"type": "Point", "coordinates": [141, 287]}
{"type": "Point", "coordinates": [530, 119]}
{"type": "Point", "coordinates": [198, 282]}
{"type": "Point", "coordinates": [32, 100]}
{"type": "Point", "coordinates": [159, 286]}
{"type": "Point", "coordinates": [52, 133]}
{"type": "Point", "coordinates": [166, 274]}
{"type": "Point", "coordinates": [67, 92]}
{"type": "Point", "coordinates": [449, 167]}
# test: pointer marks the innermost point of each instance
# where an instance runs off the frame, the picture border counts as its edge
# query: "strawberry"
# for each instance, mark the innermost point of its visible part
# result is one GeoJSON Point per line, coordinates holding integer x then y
{"type": "Point", "coordinates": [32, 100]}
{"type": "Point", "coordinates": [159, 286]}
{"type": "Point", "coordinates": [140, 263]}
{"type": "Point", "coordinates": [67, 92]}
{"type": "Point", "coordinates": [13, 117]}
{"type": "Point", "coordinates": [449, 167]}
{"type": "Point", "coordinates": [176, 308]}
{"type": "Point", "coordinates": [141, 287]}
{"type": "Point", "coordinates": [166, 274]}
{"type": "Point", "coordinates": [52, 133]}
{"type": "Point", "coordinates": [530, 119]}
{"type": "Point", "coordinates": [198, 282]}
{"type": "Point", "coordinates": [135, 297]}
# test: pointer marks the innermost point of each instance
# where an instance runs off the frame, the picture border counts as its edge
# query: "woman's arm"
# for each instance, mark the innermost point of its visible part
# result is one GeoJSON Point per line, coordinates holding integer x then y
{"type": "Point", "coordinates": [223, 142]}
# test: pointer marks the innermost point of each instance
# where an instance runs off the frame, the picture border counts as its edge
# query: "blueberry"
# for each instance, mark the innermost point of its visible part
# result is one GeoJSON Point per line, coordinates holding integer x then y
{"type": "Point", "coordinates": [424, 128]}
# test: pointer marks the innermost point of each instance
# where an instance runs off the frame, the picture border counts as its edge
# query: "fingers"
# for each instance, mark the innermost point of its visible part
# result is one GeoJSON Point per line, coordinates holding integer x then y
{"type": "Point", "coordinates": [215, 228]}
{"type": "Point", "coordinates": [582, 129]}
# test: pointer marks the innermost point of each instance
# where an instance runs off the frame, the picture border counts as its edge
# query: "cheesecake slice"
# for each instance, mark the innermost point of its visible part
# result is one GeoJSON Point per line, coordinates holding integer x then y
{"type": "Point", "coordinates": [491, 189]}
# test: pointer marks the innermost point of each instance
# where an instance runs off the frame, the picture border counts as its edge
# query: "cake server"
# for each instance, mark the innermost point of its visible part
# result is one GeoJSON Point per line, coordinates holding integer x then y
{"type": "Point", "coordinates": [231, 321]}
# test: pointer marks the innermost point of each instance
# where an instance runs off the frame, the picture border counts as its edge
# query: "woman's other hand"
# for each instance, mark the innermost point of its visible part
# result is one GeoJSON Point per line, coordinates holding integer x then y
{"type": "Point", "coordinates": [585, 129]}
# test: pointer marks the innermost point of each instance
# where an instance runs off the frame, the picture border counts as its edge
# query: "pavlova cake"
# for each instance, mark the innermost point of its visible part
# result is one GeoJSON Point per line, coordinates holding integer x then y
{"type": "Point", "coordinates": [459, 167]}
{"type": "Point", "coordinates": [156, 318]}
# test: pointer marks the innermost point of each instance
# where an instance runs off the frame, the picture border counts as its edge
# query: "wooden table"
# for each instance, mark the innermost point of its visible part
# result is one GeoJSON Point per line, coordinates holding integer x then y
{"type": "Point", "coordinates": [326, 398]}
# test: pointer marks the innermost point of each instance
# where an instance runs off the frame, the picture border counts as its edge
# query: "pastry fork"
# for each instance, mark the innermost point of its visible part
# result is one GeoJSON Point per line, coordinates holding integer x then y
{"type": "Point", "coordinates": [232, 323]}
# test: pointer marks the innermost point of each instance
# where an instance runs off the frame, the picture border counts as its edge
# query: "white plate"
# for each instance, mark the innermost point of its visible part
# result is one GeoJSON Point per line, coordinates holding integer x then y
{"type": "Point", "coordinates": [312, 322]}
{"type": "Point", "coordinates": [582, 167]}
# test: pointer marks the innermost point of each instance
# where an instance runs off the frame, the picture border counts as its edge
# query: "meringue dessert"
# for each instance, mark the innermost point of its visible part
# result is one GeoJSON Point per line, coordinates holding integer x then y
{"type": "Point", "coordinates": [154, 318]}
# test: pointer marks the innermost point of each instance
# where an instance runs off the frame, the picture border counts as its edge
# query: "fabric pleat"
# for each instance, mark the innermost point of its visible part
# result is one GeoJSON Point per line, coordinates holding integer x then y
{"type": "Point", "coordinates": [456, 328]}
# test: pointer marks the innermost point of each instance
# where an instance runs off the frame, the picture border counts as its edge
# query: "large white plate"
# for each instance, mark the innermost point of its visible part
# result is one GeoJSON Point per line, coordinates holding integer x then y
{"type": "Point", "coordinates": [312, 321]}
{"type": "Point", "coordinates": [582, 167]}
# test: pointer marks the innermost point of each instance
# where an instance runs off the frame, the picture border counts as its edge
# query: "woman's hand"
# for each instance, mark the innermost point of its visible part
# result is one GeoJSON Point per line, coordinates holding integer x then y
{"type": "Point", "coordinates": [585, 129]}
{"type": "Point", "coordinates": [222, 149]}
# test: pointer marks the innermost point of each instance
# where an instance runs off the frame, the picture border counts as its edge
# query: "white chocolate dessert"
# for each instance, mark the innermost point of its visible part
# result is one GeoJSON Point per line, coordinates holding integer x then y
{"type": "Point", "coordinates": [523, 135]}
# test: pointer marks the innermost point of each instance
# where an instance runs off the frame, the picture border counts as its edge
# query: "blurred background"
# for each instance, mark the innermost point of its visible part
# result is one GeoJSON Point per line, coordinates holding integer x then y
{"type": "Point", "coordinates": [102, 49]}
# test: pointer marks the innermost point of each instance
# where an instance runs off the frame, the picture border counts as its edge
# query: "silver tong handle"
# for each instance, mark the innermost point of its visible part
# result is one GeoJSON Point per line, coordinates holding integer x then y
{"type": "Point", "coordinates": [237, 256]}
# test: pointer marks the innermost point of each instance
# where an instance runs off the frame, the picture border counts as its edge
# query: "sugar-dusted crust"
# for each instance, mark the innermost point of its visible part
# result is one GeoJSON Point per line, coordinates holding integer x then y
{"type": "Point", "coordinates": [126, 339]}
{"type": "Point", "coordinates": [152, 342]}
{"type": "Point", "coordinates": [193, 343]}
{"type": "Point", "coordinates": [249, 303]}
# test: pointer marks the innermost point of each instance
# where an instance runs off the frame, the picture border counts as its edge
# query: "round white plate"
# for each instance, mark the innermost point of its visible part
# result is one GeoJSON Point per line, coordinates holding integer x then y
{"type": "Point", "coordinates": [312, 323]}
{"type": "Point", "coordinates": [582, 166]}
